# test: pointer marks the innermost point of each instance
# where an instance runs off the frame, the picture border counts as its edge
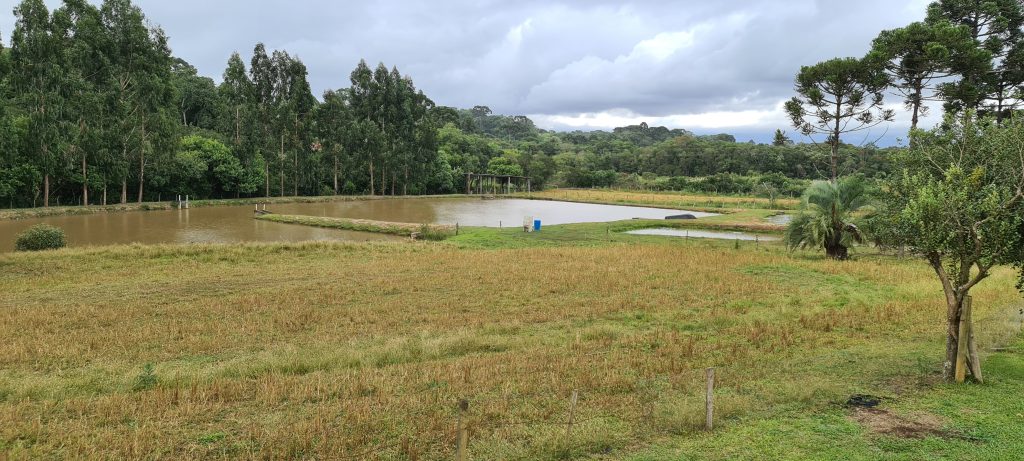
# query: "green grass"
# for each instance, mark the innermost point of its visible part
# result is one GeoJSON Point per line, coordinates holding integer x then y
{"type": "Point", "coordinates": [326, 350]}
{"type": "Point", "coordinates": [979, 422]}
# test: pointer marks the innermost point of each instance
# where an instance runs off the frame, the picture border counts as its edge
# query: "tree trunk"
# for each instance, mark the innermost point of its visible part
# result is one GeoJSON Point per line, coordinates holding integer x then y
{"type": "Point", "coordinates": [85, 181]}
{"type": "Point", "coordinates": [837, 252]}
{"type": "Point", "coordinates": [953, 310]}
{"type": "Point", "coordinates": [835, 141]}
{"type": "Point", "coordinates": [142, 173]}
{"type": "Point", "coordinates": [266, 178]}
{"type": "Point", "coordinates": [335, 175]}
{"type": "Point", "coordinates": [280, 174]}
{"type": "Point", "coordinates": [405, 181]}
{"type": "Point", "coordinates": [394, 179]}
{"type": "Point", "coordinates": [142, 162]}
{"type": "Point", "coordinates": [104, 194]}
{"type": "Point", "coordinates": [46, 190]}
{"type": "Point", "coordinates": [124, 190]}
{"type": "Point", "coordinates": [372, 191]}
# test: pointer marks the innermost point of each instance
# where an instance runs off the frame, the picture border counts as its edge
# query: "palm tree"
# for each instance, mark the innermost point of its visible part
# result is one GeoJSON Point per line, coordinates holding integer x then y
{"type": "Point", "coordinates": [828, 217]}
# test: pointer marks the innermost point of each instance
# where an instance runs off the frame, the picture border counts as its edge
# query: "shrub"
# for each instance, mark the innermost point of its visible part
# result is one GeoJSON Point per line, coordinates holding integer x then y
{"type": "Point", "coordinates": [40, 237]}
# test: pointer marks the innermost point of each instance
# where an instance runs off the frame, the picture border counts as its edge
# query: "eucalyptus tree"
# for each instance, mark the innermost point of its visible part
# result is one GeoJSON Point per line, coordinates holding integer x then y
{"type": "Point", "coordinates": [36, 80]}
{"type": "Point", "coordinates": [84, 123]}
{"type": "Point", "coordinates": [365, 105]}
{"type": "Point", "coordinates": [334, 129]}
{"type": "Point", "coordinates": [140, 67]}
{"type": "Point", "coordinates": [836, 97]}
{"type": "Point", "coordinates": [236, 92]}
{"type": "Point", "coordinates": [995, 27]}
{"type": "Point", "coordinates": [261, 76]}
{"type": "Point", "coordinates": [298, 105]}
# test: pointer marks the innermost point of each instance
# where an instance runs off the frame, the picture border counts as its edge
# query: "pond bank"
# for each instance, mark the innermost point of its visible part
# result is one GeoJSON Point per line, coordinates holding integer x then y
{"type": "Point", "coordinates": [424, 231]}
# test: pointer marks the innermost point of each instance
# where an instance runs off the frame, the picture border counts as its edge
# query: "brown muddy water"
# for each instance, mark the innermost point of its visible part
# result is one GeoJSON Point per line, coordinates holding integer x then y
{"type": "Point", "coordinates": [236, 224]}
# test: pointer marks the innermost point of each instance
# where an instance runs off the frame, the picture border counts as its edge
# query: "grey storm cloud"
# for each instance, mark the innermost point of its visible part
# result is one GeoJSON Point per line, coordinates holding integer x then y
{"type": "Point", "coordinates": [566, 63]}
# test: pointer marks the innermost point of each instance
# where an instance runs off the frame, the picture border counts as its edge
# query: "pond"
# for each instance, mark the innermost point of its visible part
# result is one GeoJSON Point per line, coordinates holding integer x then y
{"type": "Point", "coordinates": [235, 224]}
{"type": "Point", "coordinates": [704, 234]}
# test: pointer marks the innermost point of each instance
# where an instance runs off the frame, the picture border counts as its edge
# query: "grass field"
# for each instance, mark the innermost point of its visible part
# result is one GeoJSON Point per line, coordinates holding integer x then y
{"type": "Point", "coordinates": [361, 351]}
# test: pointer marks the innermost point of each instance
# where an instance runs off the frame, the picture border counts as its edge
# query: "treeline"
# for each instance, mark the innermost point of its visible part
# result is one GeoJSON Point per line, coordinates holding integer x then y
{"type": "Point", "coordinates": [96, 109]}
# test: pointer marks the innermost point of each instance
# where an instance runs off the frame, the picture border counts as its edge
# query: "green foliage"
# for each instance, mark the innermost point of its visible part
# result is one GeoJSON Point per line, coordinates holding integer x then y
{"type": "Point", "coordinates": [958, 199]}
{"type": "Point", "coordinates": [40, 237]}
{"type": "Point", "coordinates": [830, 217]}
{"type": "Point", "coordinates": [838, 96]}
{"type": "Point", "coordinates": [147, 379]}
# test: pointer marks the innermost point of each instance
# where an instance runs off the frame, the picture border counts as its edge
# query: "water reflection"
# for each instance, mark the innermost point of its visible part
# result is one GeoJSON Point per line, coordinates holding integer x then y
{"type": "Point", "coordinates": [235, 223]}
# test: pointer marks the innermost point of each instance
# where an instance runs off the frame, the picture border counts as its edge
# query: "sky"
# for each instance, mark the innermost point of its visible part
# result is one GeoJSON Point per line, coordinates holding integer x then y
{"type": "Point", "coordinates": [708, 67]}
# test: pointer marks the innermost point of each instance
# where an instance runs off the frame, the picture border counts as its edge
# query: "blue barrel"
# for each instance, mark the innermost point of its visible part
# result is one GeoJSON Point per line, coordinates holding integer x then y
{"type": "Point", "coordinates": [536, 225]}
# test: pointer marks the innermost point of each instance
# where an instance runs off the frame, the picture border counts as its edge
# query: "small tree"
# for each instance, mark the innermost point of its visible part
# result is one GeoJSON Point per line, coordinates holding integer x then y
{"type": "Point", "coordinates": [958, 202]}
{"type": "Point", "coordinates": [838, 96]}
{"type": "Point", "coordinates": [781, 139]}
{"type": "Point", "coordinates": [828, 218]}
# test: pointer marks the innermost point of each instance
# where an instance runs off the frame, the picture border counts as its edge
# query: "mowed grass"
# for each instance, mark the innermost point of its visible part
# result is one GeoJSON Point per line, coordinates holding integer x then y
{"type": "Point", "coordinates": [663, 199]}
{"type": "Point", "coordinates": [333, 350]}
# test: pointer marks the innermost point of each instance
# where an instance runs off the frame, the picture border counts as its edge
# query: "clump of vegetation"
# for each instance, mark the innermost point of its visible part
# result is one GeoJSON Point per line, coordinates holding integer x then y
{"type": "Point", "coordinates": [435, 233]}
{"type": "Point", "coordinates": [147, 379]}
{"type": "Point", "coordinates": [41, 237]}
{"type": "Point", "coordinates": [829, 217]}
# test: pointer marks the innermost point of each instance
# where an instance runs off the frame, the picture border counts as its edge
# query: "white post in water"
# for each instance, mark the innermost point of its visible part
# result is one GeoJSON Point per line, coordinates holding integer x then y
{"type": "Point", "coordinates": [186, 202]}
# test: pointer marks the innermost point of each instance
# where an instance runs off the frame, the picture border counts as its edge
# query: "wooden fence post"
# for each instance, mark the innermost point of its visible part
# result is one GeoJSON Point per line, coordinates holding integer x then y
{"type": "Point", "coordinates": [572, 412]}
{"type": "Point", "coordinates": [709, 422]}
{"type": "Point", "coordinates": [461, 435]}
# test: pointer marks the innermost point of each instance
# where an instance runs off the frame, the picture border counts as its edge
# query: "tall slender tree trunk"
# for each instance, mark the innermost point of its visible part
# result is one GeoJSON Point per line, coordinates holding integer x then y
{"type": "Point", "coordinates": [372, 191]}
{"type": "Point", "coordinates": [266, 177]}
{"type": "Point", "coordinates": [335, 174]}
{"type": "Point", "coordinates": [124, 190]}
{"type": "Point", "coordinates": [915, 112]}
{"type": "Point", "coordinates": [394, 179]}
{"type": "Point", "coordinates": [238, 127]}
{"type": "Point", "coordinates": [85, 181]}
{"type": "Point", "coordinates": [280, 174]}
{"type": "Point", "coordinates": [142, 161]}
{"type": "Point", "coordinates": [46, 190]}
{"type": "Point", "coordinates": [142, 173]}
{"type": "Point", "coordinates": [835, 141]}
{"type": "Point", "coordinates": [104, 194]}
{"type": "Point", "coordinates": [295, 163]}
{"type": "Point", "coordinates": [405, 182]}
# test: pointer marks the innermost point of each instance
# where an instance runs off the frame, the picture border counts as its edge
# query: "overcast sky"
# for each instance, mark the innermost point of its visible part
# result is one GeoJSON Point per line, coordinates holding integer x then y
{"type": "Point", "coordinates": [704, 66]}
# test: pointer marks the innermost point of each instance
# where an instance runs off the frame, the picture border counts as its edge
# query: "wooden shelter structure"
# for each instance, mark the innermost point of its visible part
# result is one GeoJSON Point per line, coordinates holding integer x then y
{"type": "Point", "coordinates": [493, 184]}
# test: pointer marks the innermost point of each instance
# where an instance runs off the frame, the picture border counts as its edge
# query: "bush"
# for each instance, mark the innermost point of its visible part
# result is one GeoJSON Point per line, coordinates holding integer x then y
{"type": "Point", "coordinates": [40, 237]}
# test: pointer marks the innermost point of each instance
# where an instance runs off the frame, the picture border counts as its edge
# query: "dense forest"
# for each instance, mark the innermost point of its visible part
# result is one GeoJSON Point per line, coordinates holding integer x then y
{"type": "Point", "coordinates": [96, 109]}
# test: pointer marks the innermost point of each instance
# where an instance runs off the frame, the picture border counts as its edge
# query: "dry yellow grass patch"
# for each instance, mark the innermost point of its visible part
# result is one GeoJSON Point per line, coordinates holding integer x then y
{"type": "Point", "coordinates": [328, 350]}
